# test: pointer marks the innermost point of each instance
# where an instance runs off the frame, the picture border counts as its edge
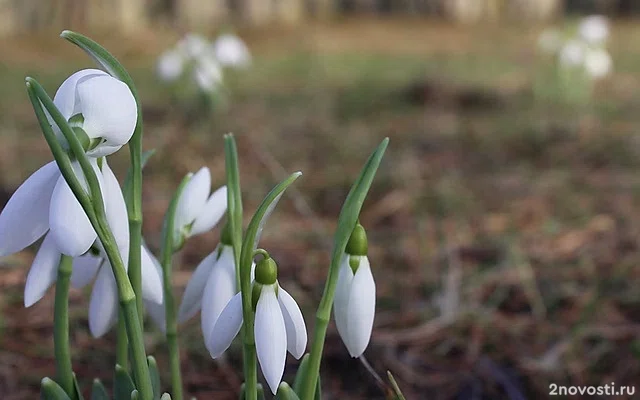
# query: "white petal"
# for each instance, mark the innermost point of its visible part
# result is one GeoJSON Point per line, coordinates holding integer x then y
{"type": "Point", "coordinates": [68, 222]}
{"type": "Point", "coordinates": [116, 210]}
{"type": "Point", "coordinates": [226, 327]}
{"type": "Point", "coordinates": [207, 73]}
{"type": "Point", "coordinates": [84, 270]}
{"type": "Point", "coordinates": [271, 337]}
{"type": "Point", "coordinates": [103, 307]}
{"type": "Point", "coordinates": [361, 310]}
{"type": "Point", "coordinates": [220, 288]}
{"type": "Point", "coordinates": [151, 280]}
{"type": "Point", "coordinates": [70, 226]}
{"type": "Point", "coordinates": [109, 109]}
{"type": "Point", "coordinates": [294, 323]}
{"type": "Point", "coordinates": [192, 297]}
{"type": "Point", "coordinates": [43, 272]}
{"type": "Point", "coordinates": [25, 218]}
{"type": "Point", "coordinates": [212, 212]}
{"type": "Point", "coordinates": [66, 96]}
{"type": "Point", "coordinates": [231, 51]}
{"type": "Point", "coordinates": [341, 299]}
{"type": "Point", "coordinates": [194, 197]}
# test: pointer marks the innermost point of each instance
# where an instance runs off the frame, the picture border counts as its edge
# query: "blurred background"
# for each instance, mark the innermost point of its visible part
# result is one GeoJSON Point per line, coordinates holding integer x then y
{"type": "Point", "coordinates": [503, 223]}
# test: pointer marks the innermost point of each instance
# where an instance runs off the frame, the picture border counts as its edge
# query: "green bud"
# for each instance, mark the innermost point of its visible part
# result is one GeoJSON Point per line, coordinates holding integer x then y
{"type": "Point", "coordinates": [225, 236]}
{"type": "Point", "coordinates": [357, 244]}
{"type": "Point", "coordinates": [76, 123]}
{"type": "Point", "coordinates": [266, 271]}
{"type": "Point", "coordinates": [354, 263]}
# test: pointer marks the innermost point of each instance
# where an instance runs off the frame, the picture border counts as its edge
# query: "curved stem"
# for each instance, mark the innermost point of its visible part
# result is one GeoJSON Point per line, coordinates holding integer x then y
{"type": "Point", "coordinates": [64, 369]}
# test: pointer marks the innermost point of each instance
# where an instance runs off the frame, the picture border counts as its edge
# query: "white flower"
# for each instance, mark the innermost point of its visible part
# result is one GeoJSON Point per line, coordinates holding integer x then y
{"type": "Point", "coordinates": [231, 51]}
{"type": "Point", "coordinates": [193, 45]}
{"type": "Point", "coordinates": [572, 53]}
{"type": "Point", "coordinates": [594, 29]}
{"type": "Point", "coordinates": [170, 65]}
{"type": "Point", "coordinates": [279, 327]}
{"type": "Point", "coordinates": [199, 211]}
{"type": "Point", "coordinates": [207, 73]}
{"type": "Point", "coordinates": [550, 41]}
{"type": "Point", "coordinates": [598, 63]}
{"type": "Point", "coordinates": [106, 105]}
{"type": "Point", "coordinates": [355, 304]}
{"type": "Point", "coordinates": [104, 300]}
{"type": "Point", "coordinates": [45, 201]}
{"type": "Point", "coordinates": [156, 310]}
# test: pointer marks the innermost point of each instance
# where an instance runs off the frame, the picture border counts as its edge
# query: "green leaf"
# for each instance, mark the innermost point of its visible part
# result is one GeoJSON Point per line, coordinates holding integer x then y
{"type": "Point", "coordinates": [76, 388]}
{"type": "Point", "coordinates": [234, 194]}
{"type": "Point", "coordinates": [123, 384]}
{"type": "Point", "coordinates": [301, 373]}
{"type": "Point", "coordinates": [98, 391]}
{"type": "Point", "coordinates": [285, 392]}
{"type": "Point", "coordinates": [155, 377]}
{"type": "Point", "coordinates": [394, 385]}
{"type": "Point", "coordinates": [259, 388]}
{"type": "Point", "coordinates": [101, 56]}
{"type": "Point", "coordinates": [168, 225]}
{"type": "Point", "coordinates": [49, 390]}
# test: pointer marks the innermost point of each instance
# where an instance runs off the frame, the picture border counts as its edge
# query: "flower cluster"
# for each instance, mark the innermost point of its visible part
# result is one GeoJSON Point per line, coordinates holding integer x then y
{"type": "Point", "coordinates": [195, 59]}
{"type": "Point", "coordinates": [583, 49]}
{"type": "Point", "coordinates": [90, 228]}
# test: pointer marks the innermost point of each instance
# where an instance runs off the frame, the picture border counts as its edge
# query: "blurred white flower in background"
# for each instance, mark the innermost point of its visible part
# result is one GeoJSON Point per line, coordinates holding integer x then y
{"type": "Point", "coordinates": [598, 63]}
{"type": "Point", "coordinates": [231, 51]}
{"type": "Point", "coordinates": [594, 29]}
{"type": "Point", "coordinates": [207, 73]}
{"type": "Point", "coordinates": [170, 65]}
{"type": "Point", "coordinates": [572, 53]}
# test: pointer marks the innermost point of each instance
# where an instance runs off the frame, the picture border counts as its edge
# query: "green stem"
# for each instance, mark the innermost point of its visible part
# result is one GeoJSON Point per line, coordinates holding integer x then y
{"type": "Point", "coordinates": [64, 369]}
{"type": "Point", "coordinates": [171, 323]}
{"type": "Point", "coordinates": [122, 343]}
{"type": "Point", "coordinates": [134, 210]}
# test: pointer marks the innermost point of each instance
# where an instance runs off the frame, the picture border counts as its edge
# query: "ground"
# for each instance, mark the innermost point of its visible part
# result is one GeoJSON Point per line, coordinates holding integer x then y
{"type": "Point", "coordinates": [502, 226]}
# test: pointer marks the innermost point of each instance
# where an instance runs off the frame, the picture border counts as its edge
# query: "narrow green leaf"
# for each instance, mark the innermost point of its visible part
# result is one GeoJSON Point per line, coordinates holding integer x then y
{"type": "Point", "coordinates": [155, 377]}
{"type": "Point", "coordinates": [260, 392]}
{"type": "Point", "coordinates": [394, 385]}
{"type": "Point", "coordinates": [243, 392]}
{"type": "Point", "coordinates": [101, 56]}
{"type": "Point", "coordinates": [301, 373]}
{"type": "Point", "coordinates": [234, 194]}
{"type": "Point", "coordinates": [285, 392]}
{"type": "Point", "coordinates": [98, 391]}
{"type": "Point", "coordinates": [49, 390]}
{"type": "Point", "coordinates": [76, 388]}
{"type": "Point", "coordinates": [123, 384]}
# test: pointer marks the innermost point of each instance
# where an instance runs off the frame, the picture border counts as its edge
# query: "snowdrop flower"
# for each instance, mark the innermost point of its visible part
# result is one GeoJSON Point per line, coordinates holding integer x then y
{"type": "Point", "coordinates": [572, 53]}
{"type": "Point", "coordinates": [279, 326]}
{"type": "Point", "coordinates": [99, 105]}
{"type": "Point", "coordinates": [598, 63]}
{"type": "Point", "coordinates": [550, 41]}
{"type": "Point", "coordinates": [193, 45]}
{"type": "Point", "coordinates": [231, 51]}
{"type": "Point", "coordinates": [207, 73]}
{"type": "Point", "coordinates": [198, 211]}
{"type": "Point", "coordinates": [355, 298]}
{"type": "Point", "coordinates": [594, 29]}
{"type": "Point", "coordinates": [45, 202]}
{"type": "Point", "coordinates": [170, 65]}
{"type": "Point", "coordinates": [155, 309]}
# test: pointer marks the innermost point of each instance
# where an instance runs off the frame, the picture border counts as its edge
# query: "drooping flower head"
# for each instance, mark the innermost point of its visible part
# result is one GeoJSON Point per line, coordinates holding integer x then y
{"type": "Point", "coordinates": [598, 63]}
{"type": "Point", "coordinates": [279, 325]}
{"type": "Point", "coordinates": [231, 51]}
{"type": "Point", "coordinates": [198, 209]}
{"type": "Point", "coordinates": [594, 29]}
{"type": "Point", "coordinates": [355, 297]}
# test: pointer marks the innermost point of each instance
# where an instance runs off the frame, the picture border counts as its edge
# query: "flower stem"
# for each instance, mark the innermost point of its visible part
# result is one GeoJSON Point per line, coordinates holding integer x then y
{"type": "Point", "coordinates": [171, 324]}
{"type": "Point", "coordinates": [64, 369]}
{"type": "Point", "coordinates": [134, 206]}
{"type": "Point", "coordinates": [122, 343]}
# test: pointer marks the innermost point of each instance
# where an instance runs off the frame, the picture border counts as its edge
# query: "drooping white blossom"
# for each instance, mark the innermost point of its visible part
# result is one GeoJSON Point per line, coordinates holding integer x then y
{"type": "Point", "coordinates": [170, 65]}
{"type": "Point", "coordinates": [594, 29]}
{"type": "Point", "coordinates": [231, 51]}
{"type": "Point", "coordinates": [598, 63]}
